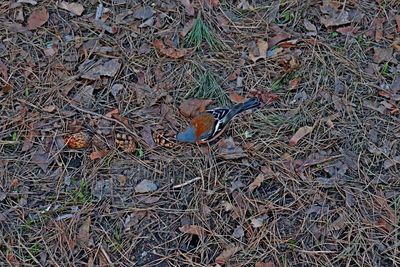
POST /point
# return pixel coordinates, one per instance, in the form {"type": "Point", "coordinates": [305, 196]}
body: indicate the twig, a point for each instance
{"type": "Point", "coordinates": [186, 183]}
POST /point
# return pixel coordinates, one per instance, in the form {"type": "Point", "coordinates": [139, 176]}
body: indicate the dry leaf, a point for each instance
{"type": "Point", "coordinates": [238, 232]}
{"type": "Point", "coordinates": [236, 98]}
{"type": "Point", "coordinates": [145, 186]}
{"type": "Point", "coordinates": [278, 38]}
{"type": "Point", "coordinates": [108, 68]}
{"type": "Point", "coordinates": [193, 230]}
{"type": "Point", "coordinates": [78, 140]}
{"type": "Point", "coordinates": [50, 108]}
{"type": "Point", "coordinates": [74, 8]}
{"type": "Point", "coordinates": [4, 70]}
{"type": "Point", "coordinates": [293, 84]}
{"type": "Point", "coordinates": [28, 142]}
{"type": "Point", "coordinates": [98, 154]}
{"type": "Point", "coordinates": [84, 232]}
{"type": "Point", "coordinates": [262, 51]}
{"type": "Point", "coordinates": [144, 13]}
{"type": "Point", "coordinates": [301, 132]}
{"type": "Point", "coordinates": [227, 254]}
{"type": "Point", "coordinates": [257, 182]}
{"type": "Point", "coordinates": [32, 2]}
{"type": "Point", "coordinates": [310, 27]}
{"type": "Point", "coordinates": [378, 29]}
{"type": "Point", "coordinates": [170, 52]}
{"type": "Point", "coordinates": [265, 264]}
{"type": "Point", "coordinates": [42, 159]}
{"type": "Point", "coordinates": [383, 55]}
{"type": "Point", "coordinates": [266, 97]}
{"type": "Point", "coordinates": [189, 8]}
{"type": "Point", "coordinates": [37, 18]}
{"type": "Point", "coordinates": [258, 222]}
{"type": "Point", "coordinates": [192, 107]}
{"type": "Point", "coordinates": [227, 149]}
{"type": "Point", "coordinates": [348, 30]}
{"type": "Point", "coordinates": [397, 18]}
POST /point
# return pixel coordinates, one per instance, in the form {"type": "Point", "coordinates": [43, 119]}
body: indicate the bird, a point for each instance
{"type": "Point", "coordinates": [207, 126]}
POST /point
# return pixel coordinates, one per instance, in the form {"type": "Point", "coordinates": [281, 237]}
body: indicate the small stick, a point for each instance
{"type": "Point", "coordinates": [186, 183]}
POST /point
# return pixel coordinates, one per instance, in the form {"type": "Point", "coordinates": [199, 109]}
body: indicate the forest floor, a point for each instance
{"type": "Point", "coordinates": [93, 92]}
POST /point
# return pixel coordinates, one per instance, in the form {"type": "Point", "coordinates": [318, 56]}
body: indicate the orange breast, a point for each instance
{"type": "Point", "coordinates": [203, 124]}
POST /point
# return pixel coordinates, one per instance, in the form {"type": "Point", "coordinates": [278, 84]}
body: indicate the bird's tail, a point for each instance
{"type": "Point", "coordinates": [238, 108]}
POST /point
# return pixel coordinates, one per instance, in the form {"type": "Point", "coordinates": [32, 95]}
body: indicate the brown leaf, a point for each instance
{"type": "Point", "coordinates": [236, 98]}
{"type": "Point", "coordinates": [37, 18]}
{"type": "Point", "coordinates": [266, 97]}
{"type": "Point", "coordinates": [170, 52]}
{"type": "Point", "coordinates": [42, 159]}
{"type": "Point", "coordinates": [383, 55]}
{"type": "Point", "coordinates": [193, 230]}
{"type": "Point", "coordinates": [278, 38]}
{"type": "Point", "coordinates": [84, 232]}
{"type": "Point", "coordinates": [378, 29]}
{"type": "Point", "coordinates": [265, 264]}
{"type": "Point", "coordinates": [397, 18]}
{"type": "Point", "coordinates": [348, 30]}
{"type": "Point", "coordinates": [147, 136]}
{"type": "Point", "coordinates": [115, 115]}
{"type": "Point", "coordinates": [98, 154]}
{"type": "Point", "coordinates": [301, 132]}
{"type": "Point", "coordinates": [382, 223]}
{"type": "Point", "coordinates": [28, 142]}
{"type": "Point", "coordinates": [189, 8]}
{"type": "Point", "coordinates": [338, 19]}
{"type": "Point", "coordinates": [234, 75]}
{"type": "Point", "coordinates": [74, 8]}
{"type": "Point", "coordinates": [293, 84]}
{"type": "Point", "coordinates": [262, 51]}
{"type": "Point", "coordinates": [310, 27]}
{"type": "Point", "coordinates": [257, 182]}
{"type": "Point", "coordinates": [108, 68]}
{"type": "Point", "coordinates": [192, 107]}
{"type": "Point", "coordinates": [227, 149]}
{"type": "Point", "coordinates": [144, 13]}
{"type": "Point", "coordinates": [188, 26]}
{"type": "Point", "coordinates": [4, 70]}
{"type": "Point", "coordinates": [227, 254]}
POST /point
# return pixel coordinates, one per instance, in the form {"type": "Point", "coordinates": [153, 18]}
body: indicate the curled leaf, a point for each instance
{"type": "Point", "coordinates": [301, 132]}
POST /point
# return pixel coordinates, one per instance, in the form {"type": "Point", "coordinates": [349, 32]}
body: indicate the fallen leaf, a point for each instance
{"type": "Point", "coordinates": [144, 13]}
{"type": "Point", "coordinates": [383, 55]}
{"type": "Point", "coordinates": [145, 186]}
{"type": "Point", "coordinates": [244, 5]}
{"type": "Point", "coordinates": [397, 18]}
{"type": "Point", "coordinates": [266, 97]}
{"type": "Point", "coordinates": [238, 232]}
{"type": "Point", "coordinates": [236, 98]}
{"type": "Point", "coordinates": [333, 16]}
{"type": "Point", "coordinates": [4, 70]}
{"type": "Point", "coordinates": [278, 38]}
{"type": "Point", "coordinates": [310, 27]}
{"type": "Point", "coordinates": [262, 51]}
{"type": "Point", "coordinates": [49, 109]}
{"type": "Point", "coordinates": [189, 8]}
{"type": "Point", "coordinates": [227, 149]}
{"type": "Point", "coordinates": [148, 199]}
{"type": "Point", "coordinates": [348, 30]}
{"type": "Point", "coordinates": [192, 107]}
{"type": "Point", "coordinates": [193, 230]}
{"type": "Point", "coordinates": [98, 154]}
{"type": "Point", "coordinates": [84, 232]}
{"type": "Point", "coordinates": [382, 223]}
{"type": "Point", "coordinates": [37, 18]}
{"type": "Point", "coordinates": [293, 84]}
{"type": "Point", "coordinates": [42, 159]}
{"type": "Point", "coordinates": [74, 8]}
{"type": "Point", "coordinates": [170, 52]}
{"type": "Point", "coordinates": [121, 179]}
{"type": "Point", "coordinates": [391, 162]}
{"type": "Point", "coordinates": [147, 136]}
{"type": "Point", "coordinates": [79, 140]}
{"type": "Point", "coordinates": [259, 221]}
{"type": "Point", "coordinates": [257, 182]}
{"type": "Point", "coordinates": [236, 185]}
{"type": "Point", "coordinates": [301, 132]}
{"type": "Point", "coordinates": [28, 141]}
{"type": "Point", "coordinates": [108, 68]}
{"type": "Point", "coordinates": [265, 264]}
{"type": "Point", "coordinates": [188, 26]}
{"type": "Point", "coordinates": [227, 254]}
{"type": "Point", "coordinates": [378, 29]}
